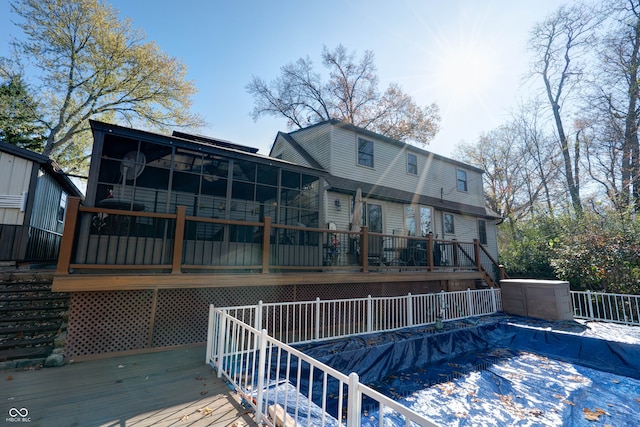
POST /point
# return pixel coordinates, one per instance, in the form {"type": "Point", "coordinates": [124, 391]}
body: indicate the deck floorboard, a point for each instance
{"type": "Point", "coordinates": [154, 389]}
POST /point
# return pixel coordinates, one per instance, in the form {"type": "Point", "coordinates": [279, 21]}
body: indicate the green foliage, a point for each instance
{"type": "Point", "coordinates": [526, 251]}
{"type": "Point", "coordinates": [19, 115]}
{"type": "Point", "coordinates": [600, 253]}
{"type": "Point", "coordinates": [91, 64]}
{"type": "Point", "coordinates": [594, 251]}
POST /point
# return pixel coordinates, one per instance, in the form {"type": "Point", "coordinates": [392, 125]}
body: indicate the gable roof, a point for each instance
{"type": "Point", "coordinates": [296, 146]}
{"type": "Point", "coordinates": [50, 166]}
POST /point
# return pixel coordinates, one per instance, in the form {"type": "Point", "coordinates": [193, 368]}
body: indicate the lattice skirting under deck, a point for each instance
{"type": "Point", "coordinates": [119, 321]}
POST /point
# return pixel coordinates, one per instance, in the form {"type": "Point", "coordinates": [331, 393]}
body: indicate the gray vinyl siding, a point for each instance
{"type": "Point", "coordinates": [316, 140]}
{"type": "Point", "coordinates": [436, 177]}
{"type": "Point", "coordinates": [492, 239]}
{"type": "Point", "coordinates": [289, 153]}
{"type": "Point", "coordinates": [335, 148]}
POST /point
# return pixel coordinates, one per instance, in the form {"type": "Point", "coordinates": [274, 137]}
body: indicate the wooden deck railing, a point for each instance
{"type": "Point", "coordinates": [98, 239]}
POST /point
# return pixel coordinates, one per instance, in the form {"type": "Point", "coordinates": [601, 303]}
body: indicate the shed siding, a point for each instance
{"type": "Point", "coordinates": [46, 205]}
{"type": "Point", "coordinates": [15, 173]}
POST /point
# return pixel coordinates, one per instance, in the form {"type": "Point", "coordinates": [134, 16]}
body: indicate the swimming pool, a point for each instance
{"type": "Point", "coordinates": [497, 370]}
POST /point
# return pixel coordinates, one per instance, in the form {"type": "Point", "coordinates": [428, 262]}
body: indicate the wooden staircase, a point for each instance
{"type": "Point", "coordinates": [31, 317]}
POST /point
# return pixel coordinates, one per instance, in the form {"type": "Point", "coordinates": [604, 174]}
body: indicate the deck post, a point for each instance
{"type": "Point", "coordinates": [68, 235]}
{"type": "Point", "coordinates": [178, 239]}
{"type": "Point", "coordinates": [266, 244]}
{"type": "Point", "coordinates": [364, 248]}
{"type": "Point", "coordinates": [590, 304]}
{"type": "Point", "coordinates": [430, 252]}
{"type": "Point", "coordinates": [455, 246]}
{"type": "Point", "coordinates": [476, 250]}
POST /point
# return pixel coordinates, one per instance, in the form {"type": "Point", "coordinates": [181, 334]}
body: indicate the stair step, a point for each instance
{"type": "Point", "coordinates": [30, 318]}
{"type": "Point", "coordinates": [17, 343]}
{"type": "Point", "coordinates": [25, 353]}
{"type": "Point", "coordinates": [51, 297]}
{"type": "Point", "coordinates": [51, 327]}
{"type": "Point", "coordinates": [20, 287]}
{"type": "Point", "coordinates": [32, 308]}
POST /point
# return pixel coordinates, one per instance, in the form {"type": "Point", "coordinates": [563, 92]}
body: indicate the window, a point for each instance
{"type": "Point", "coordinates": [448, 224]}
{"type": "Point", "coordinates": [462, 180]}
{"type": "Point", "coordinates": [482, 231]}
{"type": "Point", "coordinates": [424, 214]}
{"type": "Point", "coordinates": [373, 217]}
{"type": "Point", "coordinates": [62, 208]}
{"type": "Point", "coordinates": [412, 164]}
{"type": "Point", "coordinates": [365, 152]}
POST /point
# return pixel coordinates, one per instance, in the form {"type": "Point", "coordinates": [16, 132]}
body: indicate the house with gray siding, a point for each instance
{"type": "Point", "coordinates": [406, 190]}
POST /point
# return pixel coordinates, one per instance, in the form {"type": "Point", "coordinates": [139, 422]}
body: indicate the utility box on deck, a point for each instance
{"type": "Point", "coordinates": [542, 299]}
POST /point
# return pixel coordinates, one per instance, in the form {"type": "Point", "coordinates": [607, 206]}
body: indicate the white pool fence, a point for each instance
{"type": "Point", "coordinates": [250, 347]}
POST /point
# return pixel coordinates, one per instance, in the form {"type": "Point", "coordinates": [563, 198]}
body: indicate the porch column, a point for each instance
{"type": "Point", "coordinates": [178, 240]}
{"type": "Point", "coordinates": [68, 235]}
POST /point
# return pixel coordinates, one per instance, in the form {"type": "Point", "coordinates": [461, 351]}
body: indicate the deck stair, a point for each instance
{"type": "Point", "coordinates": [31, 317]}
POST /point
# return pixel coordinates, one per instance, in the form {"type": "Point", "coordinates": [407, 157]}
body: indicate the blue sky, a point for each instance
{"type": "Point", "coordinates": [425, 45]}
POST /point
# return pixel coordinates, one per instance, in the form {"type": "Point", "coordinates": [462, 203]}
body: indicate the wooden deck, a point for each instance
{"type": "Point", "coordinates": [169, 388]}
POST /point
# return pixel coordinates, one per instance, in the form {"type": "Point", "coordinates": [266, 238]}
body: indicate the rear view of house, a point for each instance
{"type": "Point", "coordinates": [404, 190]}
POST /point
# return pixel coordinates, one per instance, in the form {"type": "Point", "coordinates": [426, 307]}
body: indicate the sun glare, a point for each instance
{"type": "Point", "coordinates": [465, 74]}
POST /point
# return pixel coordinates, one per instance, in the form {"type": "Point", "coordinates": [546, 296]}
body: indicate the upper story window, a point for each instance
{"type": "Point", "coordinates": [462, 180]}
{"type": "Point", "coordinates": [412, 164]}
{"type": "Point", "coordinates": [482, 231]}
{"type": "Point", "coordinates": [365, 152]}
{"type": "Point", "coordinates": [449, 227]}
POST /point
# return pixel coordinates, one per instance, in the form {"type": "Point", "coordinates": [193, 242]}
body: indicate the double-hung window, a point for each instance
{"type": "Point", "coordinates": [449, 227]}
{"type": "Point", "coordinates": [462, 180]}
{"type": "Point", "coordinates": [412, 164]}
{"type": "Point", "coordinates": [365, 152]}
{"type": "Point", "coordinates": [482, 231]}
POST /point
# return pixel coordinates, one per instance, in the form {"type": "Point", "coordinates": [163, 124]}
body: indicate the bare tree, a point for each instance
{"type": "Point", "coordinates": [350, 94]}
{"type": "Point", "coordinates": [558, 43]}
{"type": "Point", "coordinates": [613, 111]}
{"type": "Point", "coordinates": [540, 152]}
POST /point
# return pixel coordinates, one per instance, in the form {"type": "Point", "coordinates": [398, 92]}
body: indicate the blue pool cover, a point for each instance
{"type": "Point", "coordinates": [498, 371]}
